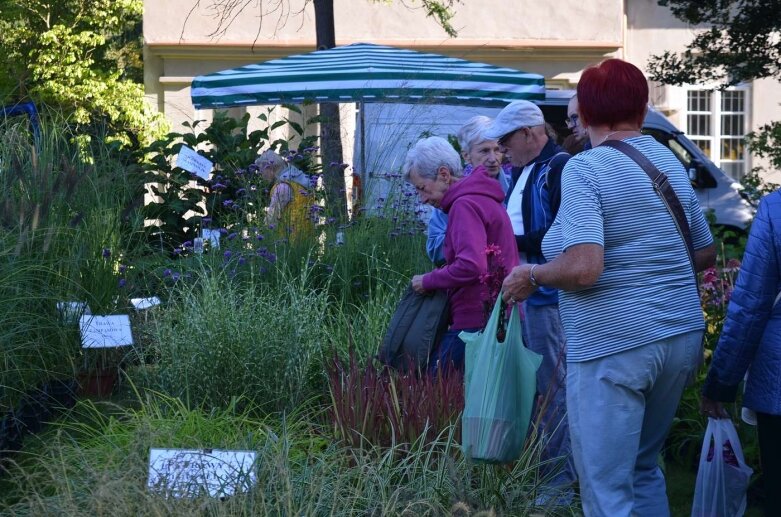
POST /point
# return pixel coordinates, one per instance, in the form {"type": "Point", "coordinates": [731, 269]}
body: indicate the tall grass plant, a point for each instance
{"type": "Point", "coordinates": [65, 222]}
{"type": "Point", "coordinates": [218, 339]}
{"type": "Point", "coordinates": [97, 465]}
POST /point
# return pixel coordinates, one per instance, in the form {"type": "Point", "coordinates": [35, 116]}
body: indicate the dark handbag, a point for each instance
{"type": "Point", "coordinates": [664, 190]}
{"type": "Point", "coordinates": [415, 328]}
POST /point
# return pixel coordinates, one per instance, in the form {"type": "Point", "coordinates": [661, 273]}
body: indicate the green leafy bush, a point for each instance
{"type": "Point", "coordinates": [184, 203]}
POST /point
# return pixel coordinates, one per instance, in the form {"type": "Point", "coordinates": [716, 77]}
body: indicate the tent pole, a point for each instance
{"type": "Point", "coordinates": [364, 178]}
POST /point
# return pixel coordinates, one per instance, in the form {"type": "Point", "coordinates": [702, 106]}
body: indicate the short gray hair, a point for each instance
{"type": "Point", "coordinates": [270, 159]}
{"type": "Point", "coordinates": [472, 132]}
{"type": "Point", "coordinates": [428, 155]}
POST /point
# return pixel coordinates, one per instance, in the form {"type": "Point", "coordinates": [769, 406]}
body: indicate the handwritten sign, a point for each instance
{"type": "Point", "coordinates": [192, 472]}
{"type": "Point", "coordinates": [70, 312]}
{"type": "Point", "coordinates": [105, 331]}
{"type": "Point", "coordinates": [140, 304]}
{"type": "Point", "coordinates": [191, 161]}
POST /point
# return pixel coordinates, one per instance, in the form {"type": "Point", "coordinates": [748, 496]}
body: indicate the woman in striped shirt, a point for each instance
{"type": "Point", "coordinates": [629, 303]}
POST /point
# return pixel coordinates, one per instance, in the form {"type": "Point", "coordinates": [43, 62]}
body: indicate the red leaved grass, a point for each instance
{"type": "Point", "coordinates": [375, 405]}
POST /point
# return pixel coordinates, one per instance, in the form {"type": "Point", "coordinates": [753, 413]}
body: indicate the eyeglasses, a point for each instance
{"type": "Point", "coordinates": [506, 138]}
{"type": "Point", "coordinates": [572, 120]}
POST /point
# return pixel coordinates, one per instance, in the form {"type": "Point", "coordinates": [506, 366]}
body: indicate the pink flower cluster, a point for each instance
{"type": "Point", "coordinates": [493, 277]}
{"type": "Point", "coordinates": [717, 283]}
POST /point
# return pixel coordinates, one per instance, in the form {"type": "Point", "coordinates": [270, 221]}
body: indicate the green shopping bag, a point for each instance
{"type": "Point", "coordinates": [501, 382]}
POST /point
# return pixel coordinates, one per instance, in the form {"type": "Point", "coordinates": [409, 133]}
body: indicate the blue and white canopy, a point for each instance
{"type": "Point", "coordinates": [364, 72]}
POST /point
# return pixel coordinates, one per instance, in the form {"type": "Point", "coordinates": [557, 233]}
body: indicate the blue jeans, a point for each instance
{"type": "Point", "coordinates": [448, 356]}
{"type": "Point", "coordinates": [620, 408]}
{"type": "Point", "coordinates": [543, 334]}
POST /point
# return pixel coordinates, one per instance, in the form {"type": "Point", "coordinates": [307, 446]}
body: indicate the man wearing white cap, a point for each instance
{"type": "Point", "coordinates": [532, 203]}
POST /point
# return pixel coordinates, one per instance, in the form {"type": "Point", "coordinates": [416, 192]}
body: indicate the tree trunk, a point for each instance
{"type": "Point", "coordinates": [330, 130]}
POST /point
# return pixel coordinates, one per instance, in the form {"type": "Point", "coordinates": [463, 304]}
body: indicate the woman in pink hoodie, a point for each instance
{"type": "Point", "coordinates": [477, 219]}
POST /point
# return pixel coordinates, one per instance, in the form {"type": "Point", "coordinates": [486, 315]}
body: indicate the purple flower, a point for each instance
{"type": "Point", "coordinates": [122, 282]}
{"type": "Point", "coordinates": [232, 236]}
{"type": "Point", "coordinates": [206, 220]}
{"type": "Point", "coordinates": [227, 254]}
{"type": "Point", "coordinates": [242, 261]}
{"type": "Point", "coordinates": [106, 253]}
{"type": "Point", "coordinates": [177, 251]}
{"type": "Point", "coordinates": [223, 231]}
{"type": "Point", "coordinates": [175, 277]}
{"type": "Point", "coordinates": [241, 192]}
{"type": "Point", "coordinates": [259, 236]}
{"type": "Point", "coordinates": [166, 273]}
{"type": "Point", "coordinates": [122, 268]}
{"type": "Point", "coordinates": [253, 169]}
{"type": "Point", "coordinates": [187, 244]}
{"type": "Point", "coordinates": [218, 186]}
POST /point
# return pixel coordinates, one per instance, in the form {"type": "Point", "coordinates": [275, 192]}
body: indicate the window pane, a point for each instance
{"type": "Point", "coordinates": [704, 144]}
{"type": "Point", "coordinates": [699, 100]}
{"type": "Point", "coordinates": [699, 125]}
{"type": "Point", "coordinates": [733, 100]}
{"type": "Point", "coordinates": [732, 125]}
{"type": "Point", "coordinates": [732, 148]}
{"type": "Point", "coordinates": [735, 170]}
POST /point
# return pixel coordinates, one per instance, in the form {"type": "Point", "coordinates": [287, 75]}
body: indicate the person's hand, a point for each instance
{"type": "Point", "coordinates": [417, 284]}
{"type": "Point", "coordinates": [712, 408]}
{"type": "Point", "coordinates": [517, 286]}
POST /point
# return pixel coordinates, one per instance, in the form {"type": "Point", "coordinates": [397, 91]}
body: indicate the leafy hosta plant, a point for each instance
{"type": "Point", "coordinates": [183, 203]}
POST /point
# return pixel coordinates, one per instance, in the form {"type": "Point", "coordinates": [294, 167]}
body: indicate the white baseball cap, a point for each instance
{"type": "Point", "coordinates": [515, 116]}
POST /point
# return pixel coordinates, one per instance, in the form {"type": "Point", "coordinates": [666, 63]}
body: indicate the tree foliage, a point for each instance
{"type": "Point", "coordinates": [741, 43]}
{"type": "Point", "coordinates": [82, 56]}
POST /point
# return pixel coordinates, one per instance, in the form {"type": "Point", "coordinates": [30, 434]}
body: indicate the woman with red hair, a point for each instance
{"type": "Point", "coordinates": [628, 301]}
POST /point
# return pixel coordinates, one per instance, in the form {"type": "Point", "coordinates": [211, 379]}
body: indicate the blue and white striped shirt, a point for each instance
{"type": "Point", "coordinates": [647, 290]}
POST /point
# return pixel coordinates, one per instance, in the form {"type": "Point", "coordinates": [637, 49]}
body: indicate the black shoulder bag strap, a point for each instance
{"type": "Point", "coordinates": [663, 189]}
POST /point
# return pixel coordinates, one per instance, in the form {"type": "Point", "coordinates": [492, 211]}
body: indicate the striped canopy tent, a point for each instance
{"type": "Point", "coordinates": [364, 72]}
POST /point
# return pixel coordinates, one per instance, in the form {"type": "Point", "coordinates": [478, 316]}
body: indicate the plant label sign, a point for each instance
{"type": "Point", "coordinates": [194, 472]}
{"type": "Point", "coordinates": [213, 236]}
{"type": "Point", "coordinates": [105, 331]}
{"type": "Point", "coordinates": [140, 304]}
{"type": "Point", "coordinates": [191, 161]}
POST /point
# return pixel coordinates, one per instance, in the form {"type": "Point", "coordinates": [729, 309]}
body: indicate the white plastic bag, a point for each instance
{"type": "Point", "coordinates": [723, 476]}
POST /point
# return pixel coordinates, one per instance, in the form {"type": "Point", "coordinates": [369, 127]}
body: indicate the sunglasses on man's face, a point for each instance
{"type": "Point", "coordinates": [506, 138]}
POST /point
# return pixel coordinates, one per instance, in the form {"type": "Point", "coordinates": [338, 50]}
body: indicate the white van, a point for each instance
{"type": "Point", "coordinates": [390, 130]}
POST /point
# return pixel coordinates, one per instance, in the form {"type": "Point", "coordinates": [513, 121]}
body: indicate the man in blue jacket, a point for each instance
{"type": "Point", "coordinates": [532, 202]}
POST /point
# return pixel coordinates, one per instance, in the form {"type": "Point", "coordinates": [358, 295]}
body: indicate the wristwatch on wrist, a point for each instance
{"type": "Point", "coordinates": [532, 280]}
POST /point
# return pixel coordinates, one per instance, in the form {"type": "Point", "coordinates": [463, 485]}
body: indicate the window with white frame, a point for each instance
{"type": "Point", "coordinates": [717, 121]}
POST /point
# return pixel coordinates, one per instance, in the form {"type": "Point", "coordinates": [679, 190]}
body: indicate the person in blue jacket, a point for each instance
{"type": "Point", "coordinates": [751, 341]}
{"type": "Point", "coordinates": [476, 150]}
{"type": "Point", "coordinates": [532, 202]}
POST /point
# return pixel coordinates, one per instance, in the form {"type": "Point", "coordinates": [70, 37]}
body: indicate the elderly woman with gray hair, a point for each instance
{"type": "Point", "coordinates": [477, 220]}
{"type": "Point", "coordinates": [290, 203]}
{"type": "Point", "coordinates": [476, 150]}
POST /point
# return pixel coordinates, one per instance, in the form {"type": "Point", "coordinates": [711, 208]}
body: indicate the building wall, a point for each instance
{"type": "Point", "coordinates": [558, 40]}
